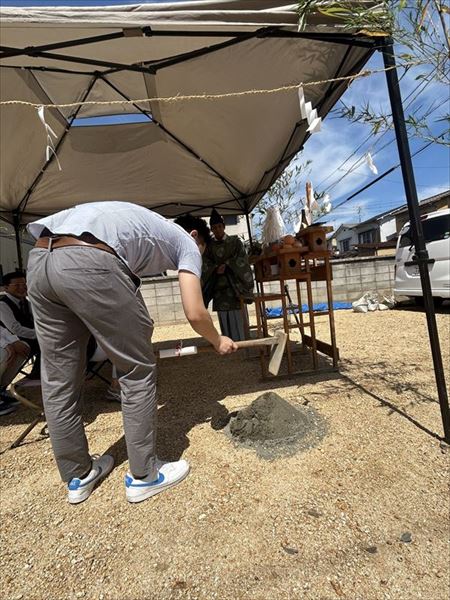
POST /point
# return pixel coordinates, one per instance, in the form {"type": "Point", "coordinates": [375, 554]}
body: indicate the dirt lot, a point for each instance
{"type": "Point", "coordinates": [325, 523]}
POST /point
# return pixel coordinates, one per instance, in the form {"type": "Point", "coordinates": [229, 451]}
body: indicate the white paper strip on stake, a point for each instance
{"type": "Point", "coordinates": [308, 109]}
{"type": "Point", "coordinates": [371, 164]}
{"type": "Point", "coordinates": [315, 126]}
{"type": "Point", "coordinates": [326, 204]}
{"type": "Point", "coordinates": [308, 113]}
{"type": "Point", "coordinates": [312, 116]}
{"type": "Point", "coordinates": [50, 149]}
{"type": "Point", "coordinates": [301, 99]}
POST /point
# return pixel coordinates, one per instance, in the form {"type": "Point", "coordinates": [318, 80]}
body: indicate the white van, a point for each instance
{"type": "Point", "coordinates": [436, 230]}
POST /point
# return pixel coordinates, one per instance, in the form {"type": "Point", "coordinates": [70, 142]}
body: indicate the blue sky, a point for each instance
{"type": "Point", "coordinates": [338, 139]}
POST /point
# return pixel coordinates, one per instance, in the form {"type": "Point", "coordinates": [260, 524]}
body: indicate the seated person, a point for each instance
{"type": "Point", "coordinates": [16, 317]}
{"type": "Point", "coordinates": [13, 354]}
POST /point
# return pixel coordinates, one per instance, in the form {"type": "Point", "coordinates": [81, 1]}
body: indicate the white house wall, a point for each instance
{"type": "Point", "coordinates": [345, 234]}
{"type": "Point", "coordinates": [388, 228]}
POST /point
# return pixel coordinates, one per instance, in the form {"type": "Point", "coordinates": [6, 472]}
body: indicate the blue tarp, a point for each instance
{"type": "Point", "coordinates": [273, 313]}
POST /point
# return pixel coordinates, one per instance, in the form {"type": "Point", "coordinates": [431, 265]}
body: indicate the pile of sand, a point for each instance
{"type": "Point", "coordinates": [275, 427]}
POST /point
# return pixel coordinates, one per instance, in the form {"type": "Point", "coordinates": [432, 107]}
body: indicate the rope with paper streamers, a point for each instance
{"type": "Point", "coordinates": [191, 97]}
{"type": "Point", "coordinates": [50, 148]}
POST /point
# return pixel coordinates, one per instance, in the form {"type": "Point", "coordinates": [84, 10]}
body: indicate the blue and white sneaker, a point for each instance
{"type": "Point", "coordinates": [169, 474]}
{"type": "Point", "coordinates": [79, 490]}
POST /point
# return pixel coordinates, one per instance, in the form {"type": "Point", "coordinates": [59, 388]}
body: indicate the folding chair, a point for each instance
{"type": "Point", "coordinates": [94, 366]}
{"type": "Point", "coordinates": [96, 363]}
{"type": "Point", "coordinates": [32, 425]}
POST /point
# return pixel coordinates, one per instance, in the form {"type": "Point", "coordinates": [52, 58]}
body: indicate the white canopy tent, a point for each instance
{"type": "Point", "coordinates": [188, 155]}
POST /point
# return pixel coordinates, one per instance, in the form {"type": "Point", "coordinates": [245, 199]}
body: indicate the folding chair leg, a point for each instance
{"type": "Point", "coordinates": [95, 371]}
{"type": "Point", "coordinates": [24, 434]}
{"type": "Point", "coordinates": [24, 400]}
{"type": "Point", "coordinates": [29, 404]}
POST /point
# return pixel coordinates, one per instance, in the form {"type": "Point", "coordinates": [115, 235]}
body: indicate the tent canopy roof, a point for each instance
{"type": "Point", "coordinates": [180, 156]}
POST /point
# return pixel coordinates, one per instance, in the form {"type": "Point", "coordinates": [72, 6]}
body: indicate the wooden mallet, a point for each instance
{"type": "Point", "coordinates": [278, 343]}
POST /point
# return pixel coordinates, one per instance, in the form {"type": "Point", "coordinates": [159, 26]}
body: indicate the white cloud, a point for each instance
{"type": "Point", "coordinates": [432, 190]}
{"type": "Point", "coordinates": [328, 150]}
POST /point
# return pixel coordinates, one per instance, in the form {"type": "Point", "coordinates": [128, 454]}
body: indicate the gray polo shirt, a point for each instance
{"type": "Point", "coordinates": [147, 242]}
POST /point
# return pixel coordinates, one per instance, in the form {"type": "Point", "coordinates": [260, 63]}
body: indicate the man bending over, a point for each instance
{"type": "Point", "coordinates": [83, 279]}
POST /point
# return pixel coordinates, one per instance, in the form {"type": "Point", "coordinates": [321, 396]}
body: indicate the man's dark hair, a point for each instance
{"type": "Point", "coordinates": [189, 223]}
{"type": "Point", "coordinates": [8, 277]}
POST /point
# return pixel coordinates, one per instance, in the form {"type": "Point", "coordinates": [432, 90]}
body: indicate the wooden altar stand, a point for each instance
{"type": "Point", "coordinates": [301, 265]}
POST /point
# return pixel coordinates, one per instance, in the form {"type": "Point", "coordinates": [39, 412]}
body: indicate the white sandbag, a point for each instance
{"type": "Point", "coordinates": [361, 305]}
{"type": "Point", "coordinates": [370, 302]}
{"type": "Point", "coordinates": [388, 301]}
{"type": "Point", "coordinates": [360, 308]}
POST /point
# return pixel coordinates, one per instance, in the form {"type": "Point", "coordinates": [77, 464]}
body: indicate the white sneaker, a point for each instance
{"type": "Point", "coordinates": [79, 490]}
{"type": "Point", "coordinates": [169, 474]}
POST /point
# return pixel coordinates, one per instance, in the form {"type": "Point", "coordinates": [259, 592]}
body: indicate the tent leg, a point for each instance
{"type": "Point", "coordinates": [249, 228]}
{"type": "Point", "coordinates": [421, 258]}
{"type": "Point", "coordinates": [18, 244]}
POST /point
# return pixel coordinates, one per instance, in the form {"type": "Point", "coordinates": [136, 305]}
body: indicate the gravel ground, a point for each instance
{"type": "Point", "coordinates": [324, 523]}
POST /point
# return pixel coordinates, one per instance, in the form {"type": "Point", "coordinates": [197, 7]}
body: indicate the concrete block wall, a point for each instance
{"type": "Point", "coordinates": [163, 299]}
{"type": "Point", "coordinates": [351, 278]}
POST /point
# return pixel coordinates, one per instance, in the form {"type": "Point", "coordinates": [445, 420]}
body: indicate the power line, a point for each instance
{"type": "Point", "coordinates": [382, 176]}
{"type": "Point", "coordinates": [356, 163]}
{"type": "Point", "coordinates": [423, 82]}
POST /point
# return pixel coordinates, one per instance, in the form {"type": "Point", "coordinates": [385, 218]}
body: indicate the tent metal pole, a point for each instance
{"type": "Point", "coordinates": [180, 58]}
{"type": "Point", "coordinates": [265, 32]}
{"type": "Point", "coordinates": [50, 70]}
{"type": "Point", "coordinates": [230, 187]}
{"type": "Point", "coordinates": [421, 257]}
{"type": "Point", "coordinates": [84, 61]}
{"type": "Point", "coordinates": [38, 177]}
{"type": "Point", "coordinates": [249, 227]}
{"type": "Point", "coordinates": [195, 207]}
{"type": "Point", "coordinates": [68, 44]}
{"type": "Point", "coordinates": [269, 31]}
{"type": "Point", "coordinates": [16, 218]}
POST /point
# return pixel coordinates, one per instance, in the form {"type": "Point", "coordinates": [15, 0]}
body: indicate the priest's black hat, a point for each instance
{"type": "Point", "coordinates": [215, 218]}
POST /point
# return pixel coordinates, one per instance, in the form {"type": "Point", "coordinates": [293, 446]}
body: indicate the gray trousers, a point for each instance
{"type": "Point", "coordinates": [75, 292]}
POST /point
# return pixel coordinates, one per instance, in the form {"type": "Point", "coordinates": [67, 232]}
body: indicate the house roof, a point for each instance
{"type": "Point", "coordinates": [404, 207]}
{"type": "Point", "coordinates": [342, 226]}
{"type": "Point", "coordinates": [377, 245]}
{"type": "Point", "coordinates": [392, 212]}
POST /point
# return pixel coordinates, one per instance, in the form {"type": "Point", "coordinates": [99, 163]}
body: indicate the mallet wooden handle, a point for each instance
{"type": "Point", "coordinates": [270, 341]}
{"type": "Point", "coordinates": [278, 343]}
